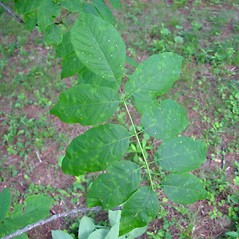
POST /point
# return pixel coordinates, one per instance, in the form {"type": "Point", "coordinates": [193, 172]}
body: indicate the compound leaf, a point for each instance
{"type": "Point", "coordinates": [86, 104]}
{"type": "Point", "coordinates": [96, 149]}
{"type": "Point", "coordinates": [166, 121]}
{"type": "Point", "coordinates": [5, 203]}
{"type": "Point", "coordinates": [113, 188]}
{"type": "Point", "coordinates": [152, 78]}
{"type": "Point", "coordinates": [182, 154]}
{"type": "Point", "coordinates": [99, 47]}
{"type": "Point", "coordinates": [183, 188]}
{"type": "Point", "coordinates": [141, 208]}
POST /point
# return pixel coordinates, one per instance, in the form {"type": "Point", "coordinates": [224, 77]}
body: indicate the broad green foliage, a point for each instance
{"type": "Point", "coordinates": [34, 208]}
{"type": "Point", "coordinates": [93, 50]}
{"type": "Point", "coordinates": [152, 78]}
{"type": "Point", "coordinates": [86, 104]}
{"type": "Point", "coordinates": [141, 208]}
{"type": "Point", "coordinates": [58, 234]}
{"type": "Point", "coordinates": [122, 179]}
{"type": "Point", "coordinates": [53, 35]}
{"type": "Point", "coordinates": [181, 154]}
{"type": "Point", "coordinates": [166, 121]}
{"type": "Point", "coordinates": [5, 199]}
{"type": "Point", "coordinates": [183, 188]}
{"type": "Point", "coordinates": [99, 47]}
{"type": "Point", "coordinates": [88, 229]}
{"type": "Point", "coordinates": [96, 149]}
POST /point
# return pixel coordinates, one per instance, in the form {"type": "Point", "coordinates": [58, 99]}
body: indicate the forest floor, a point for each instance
{"type": "Point", "coordinates": [206, 34]}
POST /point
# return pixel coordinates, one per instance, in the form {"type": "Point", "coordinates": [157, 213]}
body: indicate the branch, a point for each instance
{"type": "Point", "coordinates": [54, 217]}
{"type": "Point", "coordinates": [11, 13]}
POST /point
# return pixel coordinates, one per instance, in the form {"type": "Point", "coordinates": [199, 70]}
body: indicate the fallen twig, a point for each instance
{"type": "Point", "coordinates": [11, 13]}
{"type": "Point", "coordinates": [54, 217]}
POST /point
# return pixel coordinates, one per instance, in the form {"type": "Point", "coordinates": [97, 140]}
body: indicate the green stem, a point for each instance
{"type": "Point", "coordinates": [140, 146]}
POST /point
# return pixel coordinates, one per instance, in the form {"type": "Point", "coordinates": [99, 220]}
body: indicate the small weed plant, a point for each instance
{"type": "Point", "coordinates": [93, 50]}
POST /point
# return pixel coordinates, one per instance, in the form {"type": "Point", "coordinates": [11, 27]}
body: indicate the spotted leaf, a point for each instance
{"type": "Point", "coordinates": [182, 154]}
{"type": "Point", "coordinates": [141, 208]}
{"type": "Point", "coordinates": [165, 121]}
{"type": "Point", "coordinates": [183, 188]}
{"type": "Point", "coordinates": [99, 47]}
{"type": "Point", "coordinates": [153, 77]}
{"type": "Point", "coordinates": [96, 149]}
{"type": "Point", "coordinates": [113, 188]}
{"type": "Point", "coordinates": [86, 104]}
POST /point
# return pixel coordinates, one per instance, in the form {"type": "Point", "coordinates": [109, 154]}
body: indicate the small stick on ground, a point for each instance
{"type": "Point", "coordinates": [11, 13]}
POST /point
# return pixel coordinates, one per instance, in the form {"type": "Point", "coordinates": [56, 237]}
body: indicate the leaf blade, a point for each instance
{"type": "Point", "coordinates": [183, 188]}
{"type": "Point", "coordinates": [152, 78]}
{"type": "Point", "coordinates": [139, 210]}
{"type": "Point", "coordinates": [115, 187]}
{"type": "Point", "coordinates": [181, 154]}
{"type": "Point", "coordinates": [99, 47]}
{"type": "Point", "coordinates": [86, 104]}
{"type": "Point", "coordinates": [5, 199]}
{"type": "Point", "coordinates": [165, 121]}
{"type": "Point", "coordinates": [96, 149]}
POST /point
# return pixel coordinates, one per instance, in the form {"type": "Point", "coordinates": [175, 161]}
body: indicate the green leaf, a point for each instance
{"type": "Point", "coordinates": [46, 13]}
{"type": "Point", "coordinates": [96, 149]}
{"type": "Point", "coordinates": [58, 234]}
{"type": "Point", "coordinates": [71, 65]}
{"type": "Point", "coordinates": [30, 20]}
{"type": "Point", "coordinates": [232, 234]}
{"type": "Point", "coordinates": [113, 232]}
{"type": "Point", "coordinates": [98, 234]}
{"type": "Point", "coordinates": [141, 208]}
{"type": "Point", "coordinates": [131, 61]}
{"type": "Point", "coordinates": [115, 187]}
{"type": "Point", "coordinates": [72, 5]}
{"type": "Point", "coordinates": [99, 9]}
{"type": "Point", "coordinates": [26, 6]}
{"type": "Point", "coordinates": [53, 35]}
{"type": "Point", "coordinates": [115, 3]}
{"type": "Point", "coordinates": [65, 48]}
{"type": "Point", "coordinates": [166, 121]}
{"type": "Point", "coordinates": [86, 227]}
{"type": "Point", "coordinates": [135, 233]}
{"type": "Point", "coordinates": [152, 78]}
{"type": "Point", "coordinates": [182, 154]}
{"type": "Point", "coordinates": [5, 203]}
{"type": "Point", "coordinates": [114, 217]}
{"type": "Point", "coordinates": [88, 77]}
{"type": "Point", "coordinates": [35, 208]}
{"type": "Point", "coordinates": [183, 188]}
{"type": "Point", "coordinates": [86, 104]}
{"type": "Point", "coordinates": [99, 47]}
